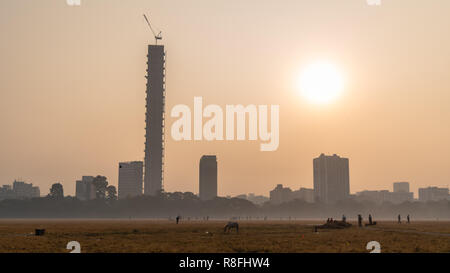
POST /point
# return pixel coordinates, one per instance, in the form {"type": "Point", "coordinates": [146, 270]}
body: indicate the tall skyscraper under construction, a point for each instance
{"type": "Point", "coordinates": [154, 119]}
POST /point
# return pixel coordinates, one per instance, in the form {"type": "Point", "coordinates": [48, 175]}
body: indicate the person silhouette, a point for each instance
{"type": "Point", "coordinates": [399, 219]}
{"type": "Point", "coordinates": [178, 219]}
{"type": "Point", "coordinates": [370, 219]}
{"type": "Point", "coordinates": [360, 220]}
{"type": "Point", "coordinates": [408, 219]}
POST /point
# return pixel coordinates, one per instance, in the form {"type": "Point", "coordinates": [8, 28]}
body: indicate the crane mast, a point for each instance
{"type": "Point", "coordinates": [157, 37]}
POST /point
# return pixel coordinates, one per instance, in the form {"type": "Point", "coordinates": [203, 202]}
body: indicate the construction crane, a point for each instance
{"type": "Point", "coordinates": [157, 37]}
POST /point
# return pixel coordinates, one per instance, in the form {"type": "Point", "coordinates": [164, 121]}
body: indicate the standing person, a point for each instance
{"type": "Point", "coordinates": [408, 219]}
{"type": "Point", "coordinates": [360, 220]}
{"type": "Point", "coordinates": [344, 219]}
{"type": "Point", "coordinates": [178, 219]}
{"type": "Point", "coordinates": [370, 219]}
{"type": "Point", "coordinates": [399, 219]}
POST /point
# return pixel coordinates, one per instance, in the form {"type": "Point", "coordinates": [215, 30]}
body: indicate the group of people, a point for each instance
{"type": "Point", "coordinates": [371, 222]}
{"type": "Point", "coordinates": [408, 219]}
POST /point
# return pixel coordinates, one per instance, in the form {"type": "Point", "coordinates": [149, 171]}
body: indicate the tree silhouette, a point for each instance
{"type": "Point", "coordinates": [100, 184]}
{"type": "Point", "coordinates": [111, 193]}
{"type": "Point", "coordinates": [57, 191]}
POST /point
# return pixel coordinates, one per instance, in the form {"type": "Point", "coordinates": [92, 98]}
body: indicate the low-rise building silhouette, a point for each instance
{"type": "Point", "coordinates": [25, 190]}
{"type": "Point", "coordinates": [283, 194]}
{"type": "Point", "coordinates": [304, 194]}
{"type": "Point", "coordinates": [255, 199]}
{"type": "Point", "coordinates": [280, 194]}
{"type": "Point", "coordinates": [433, 194]}
{"type": "Point", "coordinates": [6, 192]}
{"type": "Point", "coordinates": [19, 190]}
{"type": "Point", "coordinates": [382, 196]}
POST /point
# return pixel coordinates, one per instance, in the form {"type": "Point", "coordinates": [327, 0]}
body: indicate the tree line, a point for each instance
{"type": "Point", "coordinates": [188, 206]}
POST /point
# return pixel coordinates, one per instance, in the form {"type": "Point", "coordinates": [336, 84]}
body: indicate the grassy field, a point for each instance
{"type": "Point", "coordinates": [207, 236]}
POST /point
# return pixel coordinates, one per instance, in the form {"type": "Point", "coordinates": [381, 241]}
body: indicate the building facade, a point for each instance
{"type": "Point", "coordinates": [384, 196]}
{"type": "Point", "coordinates": [304, 194]}
{"type": "Point", "coordinates": [280, 195]}
{"type": "Point", "coordinates": [401, 186]}
{"type": "Point", "coordinates": [284, 194]}
{"type": "Point", "coordinates": [331, 178]}
{"type": "Point", "coordinates": [154, 120]}
{"type": "Point", "coordinates": [208, 177]}
{"type": "Point", "coordinates": [25, 190]}
{"type": "Point", "coordinates": [6, 192]}
{"type": "Point", "coordinates": [19, 190]}
{"type": "Point", "coordinates": [433, 194]}
{"type": "Point", "coordinates": [130, 179]}
{"type": "Point", "coordinates": [85, 189]}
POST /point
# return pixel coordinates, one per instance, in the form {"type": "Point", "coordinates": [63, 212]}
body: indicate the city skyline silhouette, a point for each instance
{"type": "Point", "coordinates": [73, 90]}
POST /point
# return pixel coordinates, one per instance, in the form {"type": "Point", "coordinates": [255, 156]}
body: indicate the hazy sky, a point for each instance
{"type": "Point", "coordinates": [72, 88]}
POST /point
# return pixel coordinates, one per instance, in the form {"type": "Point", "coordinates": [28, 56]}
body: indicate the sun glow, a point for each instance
{"type": "Point", "coordinates": [321, 83]}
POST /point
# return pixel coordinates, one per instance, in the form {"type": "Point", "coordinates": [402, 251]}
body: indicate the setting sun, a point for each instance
{"type": "Point", "coordinates": [320, 82]}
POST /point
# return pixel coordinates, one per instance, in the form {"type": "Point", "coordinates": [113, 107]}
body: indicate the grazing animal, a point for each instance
{"type": "Point", "coordinates": [231, 225]}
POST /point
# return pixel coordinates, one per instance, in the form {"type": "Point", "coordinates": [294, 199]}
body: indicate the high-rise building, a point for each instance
{"type": "Point", "coordinates": [208, 177]}
{"type": "Point", "coordinates": [130, 179]}
{"type": "Point", "coordinates": [401, 186]}
{"type": "Point", "coordinates": [331, 178]}
{"type": "Point", "coordinates": [85, 189]}
{"type": "Point", "coordinates": [433, 194]}
{"type": "Point", "coordinates": [154, 119]}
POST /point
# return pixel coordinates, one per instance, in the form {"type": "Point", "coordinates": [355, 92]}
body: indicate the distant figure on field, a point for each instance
{"type": "Point", "coordinates": [360, 220]}
{"type": "Point", "coordinates": [344, 219]}
{"type": "Point", "coordinates": [370, 219]}
{"type": "Point", "coordinates": [408, 219]}
{"type": "Point", "coordinates": [399, 219]}
{"type": "Point", "coordinates": [178, 219]}
{"type": "Point", "coordinates": [231, 225]}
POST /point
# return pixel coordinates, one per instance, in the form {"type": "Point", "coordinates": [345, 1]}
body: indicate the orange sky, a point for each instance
{"type": "Point", "coordinates": [72, 88]}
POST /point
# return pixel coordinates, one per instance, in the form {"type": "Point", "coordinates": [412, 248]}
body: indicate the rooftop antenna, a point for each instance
{"type": "Point", "coordinates": [157, 37]}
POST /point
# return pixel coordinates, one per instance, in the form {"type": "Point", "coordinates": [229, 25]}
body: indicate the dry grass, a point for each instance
{"type": "Point", "coordinates": [254, 236]}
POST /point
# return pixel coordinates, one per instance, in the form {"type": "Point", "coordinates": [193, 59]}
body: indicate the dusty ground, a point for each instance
{"type": "Point", "coordinates": [208, 236]}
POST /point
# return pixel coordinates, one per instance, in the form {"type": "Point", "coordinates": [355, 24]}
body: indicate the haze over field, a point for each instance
{"type": "Point", "coordinates": [72, 88]}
